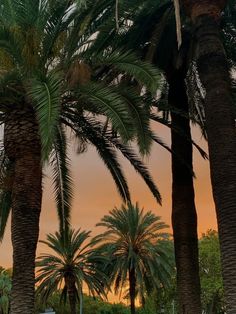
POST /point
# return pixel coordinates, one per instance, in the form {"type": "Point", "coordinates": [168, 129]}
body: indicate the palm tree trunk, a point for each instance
{"type": "Point", "coordinates": [81, 302]}
{"type": "Point", "coordinates": [221, 131]}
{"type": "Point", "coordinates": [71, 294]}
{"type": "Point", "coordinates": [184, 217]}
{"type": "Point", "coordinates": [22, 145]}
{"type": "Point", "coordinates": [132, 286]}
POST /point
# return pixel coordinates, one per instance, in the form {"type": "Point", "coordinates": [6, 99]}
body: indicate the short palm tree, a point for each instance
{"type": "Point", "coordinates": [71, 264]}
{"type": "Point", "coordinates": [47, 87]}
{"type": "Point", "coordinates": [133, 243]}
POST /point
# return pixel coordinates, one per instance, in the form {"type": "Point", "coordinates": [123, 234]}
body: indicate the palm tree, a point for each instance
{"type": "Point", "coordinates": [45, 87]}
{"type": "Point", "coordinates": [133, 242]}
{"type": "Point", "coordinates": [220, 126]}
{"type": "Point", "coordinates": [153, 34]}
{"type": "Point", "coordinates": [71, 264]}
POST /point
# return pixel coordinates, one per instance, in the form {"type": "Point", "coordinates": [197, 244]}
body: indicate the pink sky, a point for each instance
{"type": "Point", "coordinates": [95, 193]}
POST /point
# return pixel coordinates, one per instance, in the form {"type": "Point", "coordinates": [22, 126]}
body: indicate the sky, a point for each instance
{"type": "Point", "coordinates": [95, 193]}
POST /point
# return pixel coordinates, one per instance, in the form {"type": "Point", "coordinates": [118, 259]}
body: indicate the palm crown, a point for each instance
{"type": "Point", "coordinates": [134, 242]}
{"type": "Point", "coordinates": [71, 263]}
{"type": "Point", "coordinates": [44, 67]}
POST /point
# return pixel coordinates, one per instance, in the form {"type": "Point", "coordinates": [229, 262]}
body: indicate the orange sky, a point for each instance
{"type": "Point", "coordinates": [95, 193]}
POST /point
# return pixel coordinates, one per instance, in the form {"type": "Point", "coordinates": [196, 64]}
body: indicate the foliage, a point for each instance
{"type": "Point", "coordinates": [5, 290]}
{"type": "Point", "coordinates": [71, 258]}
{"type": "Point", "coordinates": [91, 305]}
{"type": "Point", "coordinates": [44, 65]}
{"type": "Point", "coordinates": [210, 272]}
{"type": "Point", "coordinates": [211, 281]}
{"type": "Point", "coordinates": [134, 240]}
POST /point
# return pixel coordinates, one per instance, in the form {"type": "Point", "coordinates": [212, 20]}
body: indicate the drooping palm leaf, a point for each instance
{"type": "Point", "coordinates": [109, 103]}
{"type": "Point", "coordinates": [45, 94]}
{"type": "Point", "coordinates": [62, 180]}
{"type": "Point", "coordinates": [128, 62]}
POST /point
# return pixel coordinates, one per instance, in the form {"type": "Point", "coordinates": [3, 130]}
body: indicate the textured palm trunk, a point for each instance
{"type": "Point", "coordinates": [22, 145]}
{"type": "Point", "coordinates": [71, 290]}
{"type": "Point", "coordinates": [184, 217]}
{"type": "Point", "coordinates": [132, 285]}
{"type": "Point", "coordinates": [221, 131]}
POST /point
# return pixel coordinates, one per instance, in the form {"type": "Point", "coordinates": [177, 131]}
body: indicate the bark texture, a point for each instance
{"type": "Point", "coordinates": [132, 285]}
{"type": "Point", "coordinates": [22, 145]}
{"type": "Point", "coordinates": [71, 290]}
{"type": "Point", "coordinates": [184, 216]}
{"type": "Point", "coordinates": [221, 131]}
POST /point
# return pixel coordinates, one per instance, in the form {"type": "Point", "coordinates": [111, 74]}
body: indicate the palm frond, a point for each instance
{"type": "Point", "coordinates": [138, 165]}
{"type": "Point", "coordinates": [180, 132]}
{"type": "Point", "coordinates": [140, 117]}
{"type": "Point", "coordinates": [62, 180]}
{"type": "Point", "coordinates": [127, 62]}
{"type": "Point", "coordinates": [105, 151]}
{"type": "Point", "coordinates": [45, 94]}
{"type": "Point", "coordinates": [110, 104]}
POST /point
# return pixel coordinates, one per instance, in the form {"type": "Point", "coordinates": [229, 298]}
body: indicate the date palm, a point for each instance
{"type": "Point", "coordinates": [133, 242]}
{"type": "Point", "coordinates": [71, 264]}
{"type": "Point", "coordinates": [152, 32]}
{"type": "Point", "coordinates": [46, 86]}
{"type": "Point", "coordinates": [220, 127]}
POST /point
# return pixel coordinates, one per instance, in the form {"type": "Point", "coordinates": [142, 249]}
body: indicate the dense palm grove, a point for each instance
{"type": "Point", "coordinates": [104, 71]}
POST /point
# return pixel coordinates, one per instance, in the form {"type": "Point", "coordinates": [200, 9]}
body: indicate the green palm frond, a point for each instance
{"type": "Point", "coordinates": [45, 95]}
{"type": "Point", "coordinates": [105, 151]}
{"type": "Point", "coordinates": [110, 104]}
{"type": "Point", "coordinates": [140, 117]}
{"type": "Point", "coordinates": [56, 25]}
{"type": "Point", "coordinates": [109, 157]}
{"type": "Point", "coordinates": [11, 47]}
{"type": "Point", "coordinates": [138, 165]}
{"type": "Point", "coordinates": [127, 62]}
{"type": "Point", "coordinates": [62, 179]}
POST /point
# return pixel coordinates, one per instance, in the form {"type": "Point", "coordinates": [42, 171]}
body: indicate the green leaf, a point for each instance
{"type": "Point", "coordinates": [110, 104]}
{"type": "Point", "coordinates": [140, 117]}
{"type": "Point", "coordinates": [62, 180]}
{"type": "Point", "coordinates": [146, 74]}
{"type": "Point", "coordinates": [45, 95]}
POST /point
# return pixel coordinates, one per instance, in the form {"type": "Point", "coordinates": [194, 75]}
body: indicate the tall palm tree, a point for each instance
{"type": "Point", "coordinates": [220, 126]}
{"type": "Point", "coordinates": [153, 34]}
{"type": "Point", "coordinates": [133, 242]}
{"type": "Point", "coordinates": [71, 264]}
{"type": "Point", "coordinates": [184, 216]}
{"type": "Point", "coordinates": [46, 86]}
